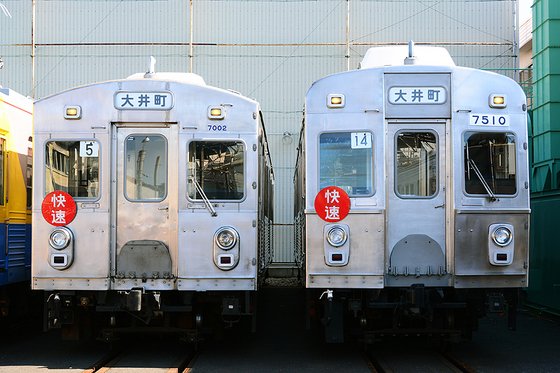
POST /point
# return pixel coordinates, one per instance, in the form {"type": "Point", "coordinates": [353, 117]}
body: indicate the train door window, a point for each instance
{"type": "Point", "coordinates": [72, 167]}
{"type": "Point", "coordinates": [216, 168]}
{"type": "Point", "coordinates": [416, 164]}
{"type": "Point", "coordinates": [2, 158]}
{"type": "Point", "coordinates": [146, 168]}
{"type": "Point", "coordinates": [346, 161]}
{"type": "Point", "coordinates": [490, 163]}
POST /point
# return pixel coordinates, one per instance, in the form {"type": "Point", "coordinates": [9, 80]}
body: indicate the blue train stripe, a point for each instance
{"type": "Point", "coordinates": [15, 260]}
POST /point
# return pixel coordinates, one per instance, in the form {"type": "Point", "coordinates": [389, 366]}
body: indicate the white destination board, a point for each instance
{"type": "Point", "coordinates": [126, 100]}
{"type": "Point", "coordinates": [417, 95]}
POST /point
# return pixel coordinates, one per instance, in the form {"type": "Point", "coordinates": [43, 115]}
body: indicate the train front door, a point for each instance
{"type": "Point", "coordinates": [145, 195]}
{"type": "Point", "coordinates": [416, 207]}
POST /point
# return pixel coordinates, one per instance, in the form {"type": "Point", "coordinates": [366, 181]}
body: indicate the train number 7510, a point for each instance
{"type": "Point", "coordinates": [489, 120]}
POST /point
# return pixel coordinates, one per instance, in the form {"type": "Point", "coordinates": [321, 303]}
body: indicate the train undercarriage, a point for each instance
{"type": "Point", "coordinates": [109, 315]}
{"type": "Point", "coordinates": [446, 314]}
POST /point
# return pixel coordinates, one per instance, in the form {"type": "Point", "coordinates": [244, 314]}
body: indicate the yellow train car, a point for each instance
{"type": "Point", "coordinates": [16, 116]}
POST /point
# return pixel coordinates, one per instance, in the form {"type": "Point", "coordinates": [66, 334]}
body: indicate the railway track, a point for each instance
{"type": "Point", "coordinates": [138, 361]}
{"type": "Point", "coordinates": [431, 361]}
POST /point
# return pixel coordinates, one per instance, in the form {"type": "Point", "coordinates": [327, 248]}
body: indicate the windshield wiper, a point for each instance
{"type": "Point", "coordinates": [204, 198]}
{"type": "Point", "coordinates": [492, 197]}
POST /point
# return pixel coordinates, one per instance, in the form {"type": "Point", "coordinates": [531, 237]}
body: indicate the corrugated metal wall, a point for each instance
{"type": "Point", "coordinates": [268, 50]}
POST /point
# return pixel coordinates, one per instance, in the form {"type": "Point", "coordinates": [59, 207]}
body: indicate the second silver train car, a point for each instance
{"type": "Point", "coordinates": [152, 205]}
{"type": "Point", "coordinates": [412, 196]}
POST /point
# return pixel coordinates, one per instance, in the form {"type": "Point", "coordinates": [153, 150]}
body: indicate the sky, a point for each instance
{"type": "Point", "coordinates": [524, 10]}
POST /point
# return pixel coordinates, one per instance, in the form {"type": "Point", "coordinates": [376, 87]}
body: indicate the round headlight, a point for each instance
{"type": "Point", "coordinates": [59, 239]}
{"type": "Point", "coordinates": [226, 238]}
{"type": "Point", "coordinates": [502, 236]}
{"type": "Point", "coordinates": [336, 236]}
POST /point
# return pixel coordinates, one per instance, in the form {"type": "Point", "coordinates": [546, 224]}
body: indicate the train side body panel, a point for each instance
{"type": "Point", "coordinates": [16, 114]}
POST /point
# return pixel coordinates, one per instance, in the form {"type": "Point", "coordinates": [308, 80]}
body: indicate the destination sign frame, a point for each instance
{"type": "Point", "coordinates": [418, 95]}
{"type": "Point", "coordinates": [144, 100]}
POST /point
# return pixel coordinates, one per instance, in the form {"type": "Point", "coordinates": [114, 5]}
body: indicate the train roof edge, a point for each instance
{"type": "Point", "coordinates": [23, 102]}
{"type": "Point", "coordinates": [175, 77]}
{"type": "Point", "coordinates": [406, 55]}
{"type": "Point", "coordinates": [188, 78]}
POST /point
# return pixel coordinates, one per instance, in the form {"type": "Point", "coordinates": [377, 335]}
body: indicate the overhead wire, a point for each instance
{"type": "Point", "coordinates": [466, 24]}
{"type": "Point", "coordinates": [399, 22]}
{"type": "Point", "coordinates": [296, 48]}
{"type": "Point", "coordinates": [427, 8]}
{"type": "Point", "coordinates": [72, 50]}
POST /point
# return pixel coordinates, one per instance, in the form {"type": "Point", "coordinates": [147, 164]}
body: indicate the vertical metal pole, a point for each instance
{"type": "Point", "coordinates": [516, 40]}
{"type": "Point", "coordinates": [347, 35]}
{"type": "Point", "coordinates": [33, 49]}
{"type": "Point", "coordinates": [191, 43]}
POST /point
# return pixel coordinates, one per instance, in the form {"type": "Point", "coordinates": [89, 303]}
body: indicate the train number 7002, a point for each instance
{"type": "Point", "coordinates": [219, 127]}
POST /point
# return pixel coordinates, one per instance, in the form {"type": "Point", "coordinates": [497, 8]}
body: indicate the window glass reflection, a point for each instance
{"type": "Point", "coordinates": [490, 163]}
{"type": "Point", "coordinates": [346, 161]}
{"type": "Point", "coordinates": [218, 169]}
{"type": "Point", "coordinates": [416, 171]}
{"type": "Point", "coordinates": [146, 167]}
{"type": "Point", "coordinates": [72, 167]}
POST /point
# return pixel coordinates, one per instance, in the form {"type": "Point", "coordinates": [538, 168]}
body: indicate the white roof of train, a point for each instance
{"type": "Point", "coordinates": [188, 78]}
{"type": "Point", "coordinates": [400, 56]}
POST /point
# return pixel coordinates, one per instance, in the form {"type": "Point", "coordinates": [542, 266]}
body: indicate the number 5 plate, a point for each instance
{"type": "Point", "coordinates": [489, 120]}
{"type": "Point", "coordinates": [89, 149]}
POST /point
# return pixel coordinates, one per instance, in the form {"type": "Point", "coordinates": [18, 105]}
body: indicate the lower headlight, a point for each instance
{"type": "Point", "coordinates": [59, 238]}
{"type": "Point", "coordinates": [336, 236]}
{"type": "Point", "coordinates": [226, 238]}
{"type": "Point", "coordinates": [502, 236]}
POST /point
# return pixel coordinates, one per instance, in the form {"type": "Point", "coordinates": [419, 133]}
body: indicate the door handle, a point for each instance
{"type": "Point", "coordinates": [166, 208]}
{"type": "Point", "coordinates": [440, 206]}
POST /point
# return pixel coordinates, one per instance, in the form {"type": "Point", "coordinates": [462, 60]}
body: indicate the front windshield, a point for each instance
{"type": "Point", "coordinates": [217, 167]}
{"type": "Point", "coordinates": [492, 155]}
{"type": "Point", "coordinates": [72, 167]}
{"type": "Point", "coordinates": [346, 161]}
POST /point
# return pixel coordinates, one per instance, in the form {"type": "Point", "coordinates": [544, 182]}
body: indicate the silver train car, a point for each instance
{"type": "Point", "coordinates": [152, 206]}
{"type": "Point", "coordinates": [412, 197]}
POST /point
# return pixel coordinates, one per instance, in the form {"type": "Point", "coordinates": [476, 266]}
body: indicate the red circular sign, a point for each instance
{"type": "Point", "coordinates": [332, 204]}
{"type": "Point", "coordinates": [59, 208]}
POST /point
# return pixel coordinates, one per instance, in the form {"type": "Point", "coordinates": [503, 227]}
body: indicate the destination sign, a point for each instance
{"type": "Point", "coordinates": [126, 100]}
{"type": "Point", "coordinates": [417, 95]}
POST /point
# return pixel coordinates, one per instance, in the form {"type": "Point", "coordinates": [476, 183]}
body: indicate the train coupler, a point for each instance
{"type": "Point", "coordinates": [58, 311]}
{"type": "Point", "coordinates": [496, 306]}
{"type": "Point", "coordinates": [230, 306]}
{"type": "Point", "coordinates": [355, 305]}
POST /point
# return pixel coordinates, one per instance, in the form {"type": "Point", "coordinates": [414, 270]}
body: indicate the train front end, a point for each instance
{"type": "Point", "coordinates": [414, 202]}
{"type": "Point", "coordinates": [147, 203]}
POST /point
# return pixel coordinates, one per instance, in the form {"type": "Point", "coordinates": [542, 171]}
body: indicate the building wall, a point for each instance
{"type": "Point", "coordinates": [268, 50]}
{"type": "Point", "coordinates": [526, 44]}
{"type": "Point", "coordinates": [526, 60]}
